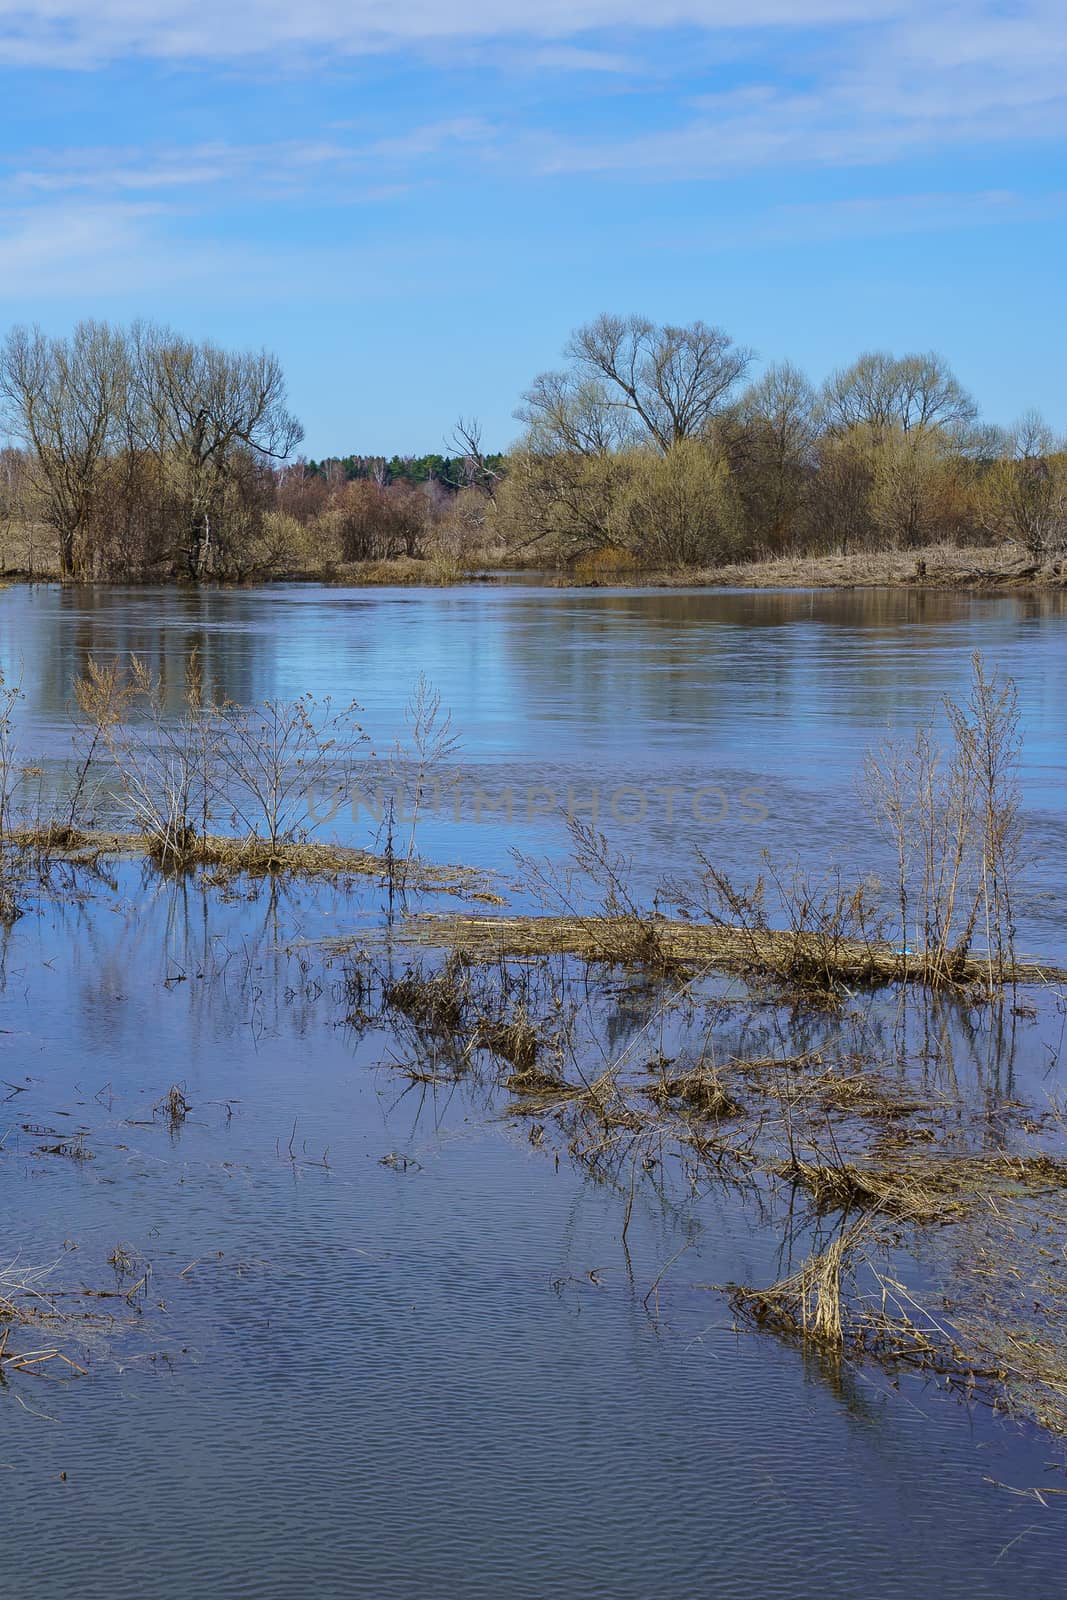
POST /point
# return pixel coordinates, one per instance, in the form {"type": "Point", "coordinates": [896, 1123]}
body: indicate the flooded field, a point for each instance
{"type": "Point", "coordinates": [363, 1310]}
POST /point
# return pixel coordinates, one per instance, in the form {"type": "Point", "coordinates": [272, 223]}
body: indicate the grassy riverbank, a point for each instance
{"type": "Point", "coordinates": [973, 569]}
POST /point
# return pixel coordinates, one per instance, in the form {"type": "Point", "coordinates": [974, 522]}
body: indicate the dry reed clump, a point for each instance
{"type": "Point", "coordinates": [534, 1080]}
{"type": "Point", "coordinates": [436, 1002]}
{"type": "Point", "coordinates": [225, 857]}
{"type": "Point", "coordinates": [971, 1180]}
{"type": "Point", "coordinates": [844, 1186]}
{"type": "Point", "coordinates": [1000, 1339]}
{"type": "Point", "coordinates": [25, 1303]}
{"type": "Point", "coordinates": [849, 1089]}
{"type": "Point", "coordinates": [230, 857]}
{"type": "Point", "coordinates": [807, 1304]}
{"type": "Point", "coordinates": [833, 937]}
{"type": "Point", "coordinates": [927, 1188]}
{"type": "Point", "coordinates": [823, 1305]}
{"type": "Point", "coordinates": [700, 1091]}
{"type": "Point", "coordinates": [513, 1038]}
{"type": "Point", "coordinates": [619, 932]}
{"type": "Point", "coordinates": [858, 1094]}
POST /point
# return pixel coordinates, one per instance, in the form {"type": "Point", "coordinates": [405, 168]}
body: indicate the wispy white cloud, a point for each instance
{"type": "Point", "coordinates": [87, 32]}
{"type": "Point", "coordinates": [902, 81]}
{"type": "Point", "coordinates": [973, 78]}
{"type": "Point", "coordinates": [129, 258]}
{"type": "Point", "coordinates": [430, 139]}
{"type": "Point", "coordinates": [295, 166]}
{"type": "Point", "coordinates": [892, 78]}
{"type": "Point", "coordinates": [82, 248]}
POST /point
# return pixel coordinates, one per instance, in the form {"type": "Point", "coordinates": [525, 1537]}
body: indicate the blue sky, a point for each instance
{"type": "Point", "coordinates": [413, 203]}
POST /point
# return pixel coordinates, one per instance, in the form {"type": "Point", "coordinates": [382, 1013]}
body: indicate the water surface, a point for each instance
{"type": "Point", "coordinates": [388, 1346]}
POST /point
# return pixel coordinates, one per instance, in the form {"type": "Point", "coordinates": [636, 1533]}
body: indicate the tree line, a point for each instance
{"type": "Point", "coordinates": [142, 450]}
{"type": "Point", "coordinates": [135, 453]}
{"type": "Point", "coordinates": [653, 440]}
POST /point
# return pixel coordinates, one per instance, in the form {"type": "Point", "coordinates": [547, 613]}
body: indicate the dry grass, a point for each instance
{"type": "Point", "coordinates": [847, 1089]}
{"type": "Point", "coordinates": [978, 568]}
{"type": "Point", "coordinates": [27, 1303]}
{"type": "Point", "coordinates": [434, 1001]}
{"type": "Point", "coordinates": [808, 1304]}
{"type": "Point", "coordinates": [844, 1186]}
{"type": "Point", "coordinates": [174, 1106]}
{"type": "Point", "coordinates": [701, 1091]}
{"type": "Point", "coordinates": [533, 1080]}
{"type": "Point", "coordinates": [925, 1188]}
{"type": "Point", "coordinates": [228, 856]}
{"type": "Point", "coordinates": [434, 571]}
{"type": "Point", "coordinates": [813, 1123]}
{"type": "Point", "coordinates": [687, 944]}
{"type": "Point", "coordinates": [513, 1038]}
{"type": "Point", "coordinates": [1009, 1307]}
{"type": "Point", "coordinates": [999, 1333]}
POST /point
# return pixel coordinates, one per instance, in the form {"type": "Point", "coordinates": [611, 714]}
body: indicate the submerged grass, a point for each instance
{"type": "Point", "coordinates": [226, 856]}
{"type": "Point", "coordinates": [831, 1142]}
{"type": "Point", "coordinates": [1000, 1333]}
{"type": "Point", "coordinates": [517, 1003]}
{"type": "Point", "coordinates": [699, 1090]}
{"type": "Point", "coordinates": [36, 1334]}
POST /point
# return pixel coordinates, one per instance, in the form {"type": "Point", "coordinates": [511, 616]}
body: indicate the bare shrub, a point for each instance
{"type": "Point", "coordinates": [832, 927]}
{"type": "Point", "coordinates": [953, 818]}
{"type": "Point", "coordinates": [168, 768]}
{"type": "Point", "coordinates": [275, 756]}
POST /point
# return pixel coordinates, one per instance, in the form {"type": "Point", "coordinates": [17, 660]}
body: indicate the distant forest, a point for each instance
{"type": "Point", "coordinates": [136, 454]}
{"type": "Point", "coordinates": [452, 472]}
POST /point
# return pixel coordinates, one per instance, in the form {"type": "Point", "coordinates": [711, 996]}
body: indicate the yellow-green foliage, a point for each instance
{"type": "Point", "coordinates": [678, 508]}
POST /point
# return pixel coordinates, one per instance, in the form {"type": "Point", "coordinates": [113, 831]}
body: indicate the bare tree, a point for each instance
{"type": "Point", "coordinates": [566, 412]}
{"type": "Point", "coordinates": [465, 441]}
{"type": "Point", "coordinates": [882, 391]}
{"type": "Point", "coordinates": [60, 398]}
{"type": "Point", "coordinates": [199, 408]}
{"type": "Point", "coordinates": [1026, 489]}
{"type": "Point", "coordinates": [632, 380]}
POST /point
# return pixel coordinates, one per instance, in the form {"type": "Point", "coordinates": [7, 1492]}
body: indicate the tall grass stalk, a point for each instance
{"type": "Point", "coordinates": [10, 694]}
{"type": "Point", "coordinates": [428, 745]}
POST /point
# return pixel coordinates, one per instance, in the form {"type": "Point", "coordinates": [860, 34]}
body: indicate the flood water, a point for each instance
{"type": "Point", "coordinates": [371, 1339]}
